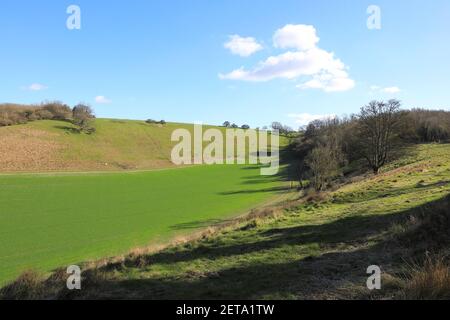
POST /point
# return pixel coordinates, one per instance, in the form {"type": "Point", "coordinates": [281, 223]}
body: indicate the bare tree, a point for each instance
{"type": "Point", "coordinates": [324, 166]}
{"type": "Point", "coordinates": [378, 122]}
{"type": "Point", "coordinates": [277, 126]}
{"type": "Point", "coordinates": [282, 129]}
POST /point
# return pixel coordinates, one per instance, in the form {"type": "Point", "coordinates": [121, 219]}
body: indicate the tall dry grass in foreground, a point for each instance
{"type": "Point", "coordinates": [430, 281]}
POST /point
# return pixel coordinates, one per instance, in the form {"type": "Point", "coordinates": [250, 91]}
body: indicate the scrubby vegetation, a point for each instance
{"type": "Point", "coordinates": [81, 115]}
{"type": "Point", "coordinates": [380, 133]}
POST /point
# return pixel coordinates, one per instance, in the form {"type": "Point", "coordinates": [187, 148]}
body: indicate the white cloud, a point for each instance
{"type": "Point", "coordinates": [392, 90]}
{"type": "Point", "coordinates": [325, 71]}
{"type": "Point", "coordinates": [102, 100]}
{"type": "Point", "coordinates": [291, 65]}
{"type": "Point", "coordinates": [304, 119]}
{"type": "Point", "coordinates": [243, 47]}
{"type": "Point", "coordinates": [389, 90]}
{"type": "Point", "coordinates": [300, 37]}
{"type": "Point", "coordinates": [329, 82]}
{"type": "Point", "coordinates": [36, 87]}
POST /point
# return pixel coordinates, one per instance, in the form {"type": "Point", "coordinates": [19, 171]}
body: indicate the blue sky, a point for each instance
{"type": "Point", "coordinates": [163, 59]}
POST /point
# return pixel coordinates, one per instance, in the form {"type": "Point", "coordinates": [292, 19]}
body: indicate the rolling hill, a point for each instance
{"type": "Point", "coordinates": [56, 146]}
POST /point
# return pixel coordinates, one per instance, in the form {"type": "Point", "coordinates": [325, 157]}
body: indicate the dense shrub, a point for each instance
{"type": "Point", "coordinates": [82, 115]}
{"type": "Point", "coordinates": [13, 114]}
{"type": "Point", "coordinates": [58, 110]}
{"type": "Point", "coordinates": [42, 114]}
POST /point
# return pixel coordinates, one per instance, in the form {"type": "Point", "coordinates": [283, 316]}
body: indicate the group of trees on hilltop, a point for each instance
{"type": "Point", "coordinates": [80, 115]}
{"type": "Point", "coordinates": [228, 124]}
{"type": "Point", "coordinates": [370, 139]}
{"type": "Point", "coordinates": [282, 129]}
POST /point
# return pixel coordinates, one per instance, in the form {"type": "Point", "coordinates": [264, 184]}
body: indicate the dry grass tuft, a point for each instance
{"type": "Point", "coordinates": [28, 286]}
{"type": "Point", "coordinates": [431, 281]}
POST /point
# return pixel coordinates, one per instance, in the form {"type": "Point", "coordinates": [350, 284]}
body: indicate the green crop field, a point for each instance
{"type": "Point", "coordinates": [52, 220]}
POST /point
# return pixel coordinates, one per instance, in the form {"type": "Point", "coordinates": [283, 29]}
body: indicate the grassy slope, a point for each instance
{"type": "Point", "coordinates": [117, 145]}
{"type": "Point", "coordinates": [315, 250]}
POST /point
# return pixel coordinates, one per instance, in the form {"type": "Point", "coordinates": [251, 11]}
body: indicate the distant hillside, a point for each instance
{"type": "Point", "coordinates": [50, 145]}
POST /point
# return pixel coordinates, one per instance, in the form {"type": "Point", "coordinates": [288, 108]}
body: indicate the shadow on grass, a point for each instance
{"type": "Point", "coordinates": [280, 189]}
{"type": "Point", "coordinates": [68, 129]}
{"type": "Point", "coordinates": [352, 230]}
{"type": "Point", "coordinates": [324, 273]}
{"type": "Point", "coordinates": [286, 173]}
{"type": "Point", "coordinates": [200, 224]}
{"type": "Point", "coordinates": [370, 195]}
{"type": "Point", "coordinates": [335, 269]}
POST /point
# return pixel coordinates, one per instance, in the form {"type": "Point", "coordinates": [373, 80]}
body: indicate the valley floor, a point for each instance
{"type": "Point", "coordinates": [54, 220]}
{"type": "Point", "coordinates": [318, 247]}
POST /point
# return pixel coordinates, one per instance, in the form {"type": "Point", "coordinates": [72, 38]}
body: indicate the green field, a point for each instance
{"type": "Point", "coordinates": [52, 220]}
{"type": "Point", "coordinates": [314, 248]}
